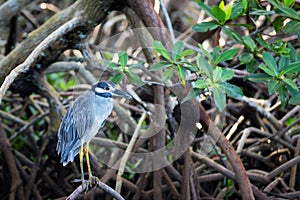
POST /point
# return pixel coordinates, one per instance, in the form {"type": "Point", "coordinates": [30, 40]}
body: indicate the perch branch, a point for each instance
{"type": "Point", "coordinates": [25, 66]}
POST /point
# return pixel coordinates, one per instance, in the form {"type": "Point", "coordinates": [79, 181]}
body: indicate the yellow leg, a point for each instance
{"type": "Point", "coordinates": [81, 162]}
{"type": "Point", "coordinates": [86, 153]}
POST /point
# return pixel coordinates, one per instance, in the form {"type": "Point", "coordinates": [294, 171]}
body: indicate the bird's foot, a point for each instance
{"type": "Point", "coordinates": [93, 180]}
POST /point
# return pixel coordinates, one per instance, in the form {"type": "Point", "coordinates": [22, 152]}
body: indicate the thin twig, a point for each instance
{"type": "Point", "coordinates": [127, 153]}
{"type": "Point", "coordinates": [168, 20]}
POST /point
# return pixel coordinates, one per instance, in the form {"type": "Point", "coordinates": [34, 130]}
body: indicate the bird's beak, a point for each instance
{"type": "Point", "coordinates": [120, 93]}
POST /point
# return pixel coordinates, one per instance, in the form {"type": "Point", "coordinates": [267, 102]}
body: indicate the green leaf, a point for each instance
{"type": "Point", "coordinates": [237, 10]}
{"type": "Point", "coordinates": [246, 58]}
{"type": "Point", "coordinates": [117, 78]}
{"type": "Point", "coordinates": [203, 65]}
{"type": "Point", "coordinates": [295, 99]}
{"type": "Point", "coordinates": [167, 74]}
{"type": "Point", "coordinates": [287, 3]}
{"type": "Point", "coordinates": [134, 77]}
{"type": "Point", "coordinates": [227, 74]}
{"type": "Point", "coordinates": [200, 83]}
{"type": "Point", "coordinates": [191, 95]}
{"type": "Point", "coordinates": [159, 48]}
{"type": "Point", "coordinates": [284, 61]}
{"type": "Point", "coordinates": [159, 66]}
{"type": "Point", "coordinates": [222, 5]}
{"type": "Point", "coordinates": [259, 77]}
{"type": "Point", "coordinates": [181, 74]}
{"type": "Point", "coordinates": [218, 14]}
{"type": "Point", "coordinates": [232, 90]}
{"type": "Point", "coordinates": [237, 37]}
{"type": "Point", "coordinates": [206, 9]}
{"type": "Point", "coordinates": [245, 4]}
{"type": "Point", "coordinates": [273, 86]}
{"type": "Point", "coordinates": [283, 95]}
{"type": "Point", "coordinates": [271, 63]}
{"type": "Point", "coordinates": [177, 49]}
{"type": "Point", "coordinates": [123, 58]}
{"type": "Point", "coordinates": [205, 52]}
{"type": "Point", "coordinates": [219, 97]}
{"type": "Point", "coordinates": [262, 12]}
{"type": "Point", "coordinates": [249, 42]}
{"type": "Point", "coordinates": [262, 42]}
{"type": "Point", "coordinates": [266, 69]}
{"type": "Point", "coordinates": [112, 65]}
{"type": "Point", "coordinates": [291, 68]}
{"type": "Point", "coordinates": [289, 12]}
{"type": "Point", "coordinates": [186, 52]}
{"type": "Point", "coordinates": [137, 65]}
{"type": "Point", "coordinates": [227, 55]}
{"type": "Point", "coordinates": [205, 26]}
{"type": "Point", "coordinates": [228, 11]}
{"type": "Point", "coordinates": [291, 84]}
{"type": "Point", "coordinates": [217, 74]}
{"type": "Point", "coordinates": [292, 27]}
{"type": "Point", "coordinates": [278, 24]}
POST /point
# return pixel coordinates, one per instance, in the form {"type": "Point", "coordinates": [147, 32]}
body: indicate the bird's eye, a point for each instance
{"type": "Point", "coordinates": [107, 88]}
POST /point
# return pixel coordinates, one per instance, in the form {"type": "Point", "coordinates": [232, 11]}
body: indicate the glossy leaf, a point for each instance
{"type": "Point", "coordinates": [206, 9]}
{"type": "Point", "coordinates": [246, 57]}
{"type": "Point", "coordinates": [134, 77]}
{"type": "Point", "coordinates": [227, 74]}
{"type": "Point", "coordinates": [200, 83]}
{"type": "Point", "coordinates": [159, 48]}
{"type": "Point", "coordinates": [291, 68]}
{"type": "Point", "coordinates": [249, 42]}
{"type": "Point", "coordinates": [287, 3]}
{"type": "Point", "coordinates": [217, 74]}
{"type": "Point", "coordinates": [160, 66]}
{"type": "Point", "coordinates": [186, 52]}
{"type": "Point", "coordinates": [191, 95]}
{"type": "Point", "coordinates": [232, 90]}
{"type": "Point", "coordinates": [266, 70]}
{"type": "Point", "coordinates": [177, 49]}
{"type": "Point", "coordinates": [292, 27]}
{"type": "Point", "coordinates": [291, 84]}
{"type": "Point", "coordinates": [283, 95]}
{"type": "Point", "coordinates": [167, 74]}
{"type": "Point", "coordinates": [112, 65]}
{"type": "Point", "coordinates": [181, 74]}
{"type": "Point", "coordinates": [219, 97]}
{"type": "Point", "coordinates": [259, 77]}
{"type": "Point", "coordinates": [237, 10]}
{"type": "Point", "coordinates": [203, 65]}
{"type": "Point", "coordinates": [295, 100]}
{"type": "Point", "coordinates": [205, 26]}
{"type": "Point", "coordinates": [273, 86]}
{"type": "Point", "coordinates": [218, 14]}
{"type": "Point", "coordinates": [117, 78]}
{"type": "Point", "coordinates": [123, 58]}
{"type": "Point", "coordinates": [227, 55]}
{"type": "Point", "coordinates": [228, 11]}
{"type": "Point", "coordinates": [271, 63]}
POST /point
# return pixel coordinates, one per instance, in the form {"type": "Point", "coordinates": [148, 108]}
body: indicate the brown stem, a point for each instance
{"type": "Point", "coordinates": [16, 188]}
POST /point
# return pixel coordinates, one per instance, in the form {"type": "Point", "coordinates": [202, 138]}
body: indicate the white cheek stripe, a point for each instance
{"type": "Point", "coordinates": [99, 90]}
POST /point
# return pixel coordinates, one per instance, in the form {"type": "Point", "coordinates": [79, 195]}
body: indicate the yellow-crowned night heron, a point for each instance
{"type": "Point", "coordinates": [83, 120]}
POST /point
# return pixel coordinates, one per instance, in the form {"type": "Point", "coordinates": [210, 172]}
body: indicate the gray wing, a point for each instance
{"type": "Point", "coordinates": [74, 125]}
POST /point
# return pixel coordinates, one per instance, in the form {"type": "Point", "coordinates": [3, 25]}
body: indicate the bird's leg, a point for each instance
{"type": "Point", "coordinates": [86, 153]}
{"type": "Point", "coordinates": [81, 162]}
{"type": "Point", "coordinates": [92, 178]}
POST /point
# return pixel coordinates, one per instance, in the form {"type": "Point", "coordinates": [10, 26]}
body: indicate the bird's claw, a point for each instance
{"type": "Point", "coordinates": [93, 180]}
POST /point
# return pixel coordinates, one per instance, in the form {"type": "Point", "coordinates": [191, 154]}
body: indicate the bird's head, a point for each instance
{"type": "Point", "coordinates": [108, 89]}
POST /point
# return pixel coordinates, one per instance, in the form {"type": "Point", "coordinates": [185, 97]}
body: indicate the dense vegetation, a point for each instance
{"type": "Point", "coordinates": [215, 86]}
